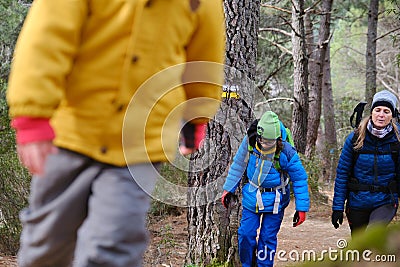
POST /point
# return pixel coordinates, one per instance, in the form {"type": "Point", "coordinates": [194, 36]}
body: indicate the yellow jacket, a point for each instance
{"type": "Point", "coordinates": [81, 63]}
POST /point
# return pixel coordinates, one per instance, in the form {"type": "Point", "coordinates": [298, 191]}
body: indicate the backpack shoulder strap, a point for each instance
{"type": "Point", "coordinates": [289, 137]}
{"type": "Point", "coordinates": [252, 135]}
{"type": "Point", "coordinates": [395, 152]}
{"type": "Point", "coordinates": [355, 154]}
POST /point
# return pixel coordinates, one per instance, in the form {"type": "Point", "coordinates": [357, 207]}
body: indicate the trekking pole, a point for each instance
{"type": "Point", "coordinates": [232, 204]}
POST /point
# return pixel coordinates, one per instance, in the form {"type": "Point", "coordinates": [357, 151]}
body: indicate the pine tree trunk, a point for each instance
{"type": "Point", "coordinates": [370, 56]}
{"type": "Point", "coordinates": [212, 229]}
{"type": "Point", "coordinates": [328, 105]}
{"type": "Point", "coordinates": [330, 145]}
{"type": "Point", "coordinates": [313, 79]}
{"type": "Point", "coordinates": [300, 77]}
{"type": "Point", "coordinates": [314, 117]}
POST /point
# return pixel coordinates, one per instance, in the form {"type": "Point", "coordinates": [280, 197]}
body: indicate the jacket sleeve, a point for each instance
{"type": "Point", "coordinates": [44, 56]}
{"type": "Point", "coordinates": [204, 74]}
{"type": "Point", "coordinates": [299, 178]}
{"type": "Point", "coordinates": [342, 174]}
{"type": "Point", "coordinates": [237, 168]}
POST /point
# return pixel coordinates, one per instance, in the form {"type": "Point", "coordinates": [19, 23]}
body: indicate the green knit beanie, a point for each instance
{"type": "Point", "coordinates": [268, 126]}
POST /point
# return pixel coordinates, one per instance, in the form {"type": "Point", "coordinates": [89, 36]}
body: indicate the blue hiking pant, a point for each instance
{"type": "Point", "coordinates": [267, 241]}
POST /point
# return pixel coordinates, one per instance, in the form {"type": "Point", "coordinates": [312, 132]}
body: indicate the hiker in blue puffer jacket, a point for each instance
{"type": "Point", "coordinates": [368, 170]}
{"type": "Point", "coordinates": [272, 163]}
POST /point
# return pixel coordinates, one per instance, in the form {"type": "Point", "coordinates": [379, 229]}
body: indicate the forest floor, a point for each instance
{"type": "Point", "coordinates": [168, 234]}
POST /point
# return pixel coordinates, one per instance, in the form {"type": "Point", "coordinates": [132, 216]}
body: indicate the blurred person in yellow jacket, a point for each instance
{"type": "Point", "coordinates": [96, 94]}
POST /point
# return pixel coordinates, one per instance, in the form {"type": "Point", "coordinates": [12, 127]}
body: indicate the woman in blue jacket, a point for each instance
{"type": "Point", "coordinates": [266, 193]}
{"type": "Point", "coordinates": [368, 170]}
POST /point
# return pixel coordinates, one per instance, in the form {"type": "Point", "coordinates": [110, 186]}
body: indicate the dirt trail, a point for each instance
{"type": "Point", "coordinates": [313, 236]}
{"type": "Point", "coordinates": [169, 236]}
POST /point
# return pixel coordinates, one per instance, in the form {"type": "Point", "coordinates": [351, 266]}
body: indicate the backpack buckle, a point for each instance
{"type": "Point", "coordinates": [374, 188]}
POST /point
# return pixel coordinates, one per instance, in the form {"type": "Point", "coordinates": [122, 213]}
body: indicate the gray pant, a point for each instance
{"type": "Point", "coordinates": [83, 211]}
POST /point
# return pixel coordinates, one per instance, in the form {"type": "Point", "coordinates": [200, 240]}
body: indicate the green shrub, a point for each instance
{"type": "Point", "coordinates": [175, 176]}
{"type": "Point", "coordinates": [314, 169]}
{"type": "Point", "coordinates": [14, 184]}
{"type": "Point", "coordinates": [14, 187]}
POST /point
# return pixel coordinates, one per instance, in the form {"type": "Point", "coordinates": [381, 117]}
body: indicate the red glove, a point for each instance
{"type": "Point", "coordinates": [226, 198]}
{"type": "Point", "coordinates": [298, 218]}
{"type": "Point", "coordinates": [192, 135]}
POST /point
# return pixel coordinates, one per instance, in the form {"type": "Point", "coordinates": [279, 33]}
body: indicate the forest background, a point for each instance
{"type": "Point", "coordinates": [345, 81]}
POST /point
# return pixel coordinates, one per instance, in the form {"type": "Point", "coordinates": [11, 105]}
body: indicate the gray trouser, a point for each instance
{"type": "Point", "coordinates": [85, 212]}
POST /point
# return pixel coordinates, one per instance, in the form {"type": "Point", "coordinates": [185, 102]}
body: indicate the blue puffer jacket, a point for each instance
{"type": "Point", "coordinates": [372, 169]}
{"type": "Point", "coordinates": [262, 172]}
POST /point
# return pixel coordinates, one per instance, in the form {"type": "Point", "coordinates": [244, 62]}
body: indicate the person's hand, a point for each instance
{"type": "Point", "coordinates": [337, 218]}
{"type": "Point", "coordinates": [33, 155]}
{"type": "Point", "coordinates": [184, 150]}
{"type": "Point", "coordinates": [226, 198]}
{"type": "Point", "coordinates": [192, 136]}
{"type": "Point", "coordinates": [298, 218]}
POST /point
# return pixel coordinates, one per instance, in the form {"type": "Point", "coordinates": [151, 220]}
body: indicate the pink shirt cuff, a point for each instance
{"type": "Point", "coordinates": [29, 130]}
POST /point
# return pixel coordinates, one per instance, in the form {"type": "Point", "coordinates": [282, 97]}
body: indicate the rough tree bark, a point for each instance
{"type": "Point", "coordinates": [314, 117]}
{"type": "Point", "coordinates": [212, 229]}
{"type": "Point", "coordinates": [328, 105]}
{"type": "Point", "coordinates": [300, 73]}
{"type": "Point", "coordinates": [330, 144]}
{"type": "Point", "coordinates": [313, 68]}
{"type": "Point", "coordinates": [370, 55]}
